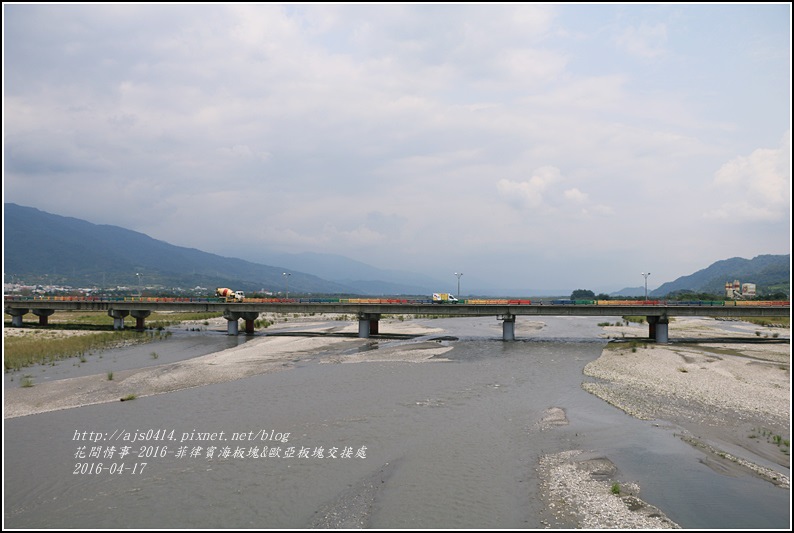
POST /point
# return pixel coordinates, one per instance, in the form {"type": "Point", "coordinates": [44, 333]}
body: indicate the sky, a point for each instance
{"type": "Point", "coordinates": [523, 145]}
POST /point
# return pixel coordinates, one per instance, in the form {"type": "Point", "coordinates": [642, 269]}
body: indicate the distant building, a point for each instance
{"type": "Point", "coordinates": [748, 290]}
{"type": "Point", "coordinates": [736, 290]}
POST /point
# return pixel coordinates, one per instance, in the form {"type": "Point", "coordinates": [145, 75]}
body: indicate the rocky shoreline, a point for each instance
{"type": "Point", "coordinates": [580, 494]}
{"type": "Point", "coordinates": [734, 394]}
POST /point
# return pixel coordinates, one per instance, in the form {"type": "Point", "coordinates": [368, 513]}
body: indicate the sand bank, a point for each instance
{"type": "Point", "coordinates": [734, 394]}
{"type": "Point", "coordinates": [270, 353]}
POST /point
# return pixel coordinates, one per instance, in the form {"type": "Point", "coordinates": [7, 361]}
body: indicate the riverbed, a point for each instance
{"type": "Point", "coordinates": [444, 427]}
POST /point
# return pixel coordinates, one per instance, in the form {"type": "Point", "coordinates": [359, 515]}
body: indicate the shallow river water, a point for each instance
{"type": "Point", "coordinates": [441, 444]}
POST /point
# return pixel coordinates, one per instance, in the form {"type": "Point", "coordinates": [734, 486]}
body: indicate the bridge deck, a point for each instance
{"type": "Point", "coordinates": [451, 310]}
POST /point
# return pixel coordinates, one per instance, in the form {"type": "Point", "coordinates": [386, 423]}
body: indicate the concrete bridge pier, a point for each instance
{"type": "Point", "coordinates": [232, 327]}
{"type": "Point", "coordinates": [661, 330]}
{"type": "Point", "coordinates": [508, 327]}
{"type": "Point", "coordinates": [658, 328]}
{"type": "Point", "coordinates": [367, 324]}
{"type": "Point", "coordinates": [139, 317]}
{"type": "Point", "coordinates": [118, 317]}
{"type": "Point", "coordinates": [16, 315]}
{"type": "Point", "coordinates": [43, 315]}
{"type": "Point", "coordinates": [249, 317]}
{"type": "Point", "coordinates": [652, 321]}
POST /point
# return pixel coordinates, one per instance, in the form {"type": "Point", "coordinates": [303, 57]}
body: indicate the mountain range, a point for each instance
{"type": "Point", "coordinates": [770, 273]}
{"type": "Point", "coordinates": [43, 248]}
{"type": "Point", "coordinates": [47, 249]}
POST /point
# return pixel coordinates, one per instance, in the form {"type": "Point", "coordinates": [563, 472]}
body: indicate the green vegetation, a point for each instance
{"type": "Point", "coordinates": [773, 438]}
{"type": "Point", "coordinates": [99, 334]}
{"type": "Point", "coordinates": [163, 320]}
{"type": "Point", "coordinates": [19, 352]}
{"type": "Point", "coordinates": [26, 381]}
{"type": "Point", "coordinates": [98, 320]}
{"type": "Point", "coordinates": [110, 376]}
{"type": "Point", "coordinates": [582, 294]}
{"type": "Point", "coordinates": [616, 488]}
{"type": "Point", "coordinates": [632, 345]}
{"type": "Point", "coordinates": [773, 321]}
{"type": "Point", "coordinates": [262, 324]}
{"type": "Point", "coordinates": [635, 319]}
{"type": "Point", "coordinates": [129, 397]}
{"type": "Point", "coordinates": [686, 295]}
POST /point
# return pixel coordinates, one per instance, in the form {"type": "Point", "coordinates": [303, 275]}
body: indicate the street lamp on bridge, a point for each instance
{"type": "Point", "coordinates": [286, 277]}
{"type": "Point", "coordinates": [458, 274]}
{"type": "Point", "coordinates": [646, 284]}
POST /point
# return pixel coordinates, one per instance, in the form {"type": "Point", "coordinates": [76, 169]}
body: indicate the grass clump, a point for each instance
{"type": "Point", "coordinates": [621, 345]}
{"type": "Point", "coordinates": [771, 321]}
{"type": "Point", "coordinates": [163, 320]}
{"type": "Point", "coordinates": [19, 352]}
{"type": "Point", "coordinates": [635, 319]}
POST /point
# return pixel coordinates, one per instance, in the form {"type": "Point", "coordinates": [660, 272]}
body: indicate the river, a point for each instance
{"type": "Point", "coordinates": [448, 444]}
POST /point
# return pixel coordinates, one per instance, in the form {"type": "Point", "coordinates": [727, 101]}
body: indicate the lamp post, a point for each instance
{"type": "Point", "coordinates": [646, 284]}
{"type": "Point", "coordinates": [286, 277]}
{"type": "Point", "coordinates": [458, 274]}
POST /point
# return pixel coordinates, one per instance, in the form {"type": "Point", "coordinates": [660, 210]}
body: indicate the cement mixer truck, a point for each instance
{"type": "Point", "coordinates": [230, 295]}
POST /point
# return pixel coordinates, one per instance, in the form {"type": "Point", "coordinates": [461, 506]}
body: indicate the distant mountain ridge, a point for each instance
{"type": "Point", "coordinates": [765, 271]}
{"type": "Point", "coordinates": [770, 273]}
{"type": "Point", "coordinates": [69, 251]}
{"type": "Point", "coordinates": [352, 273]}
{"type": "Point", "coordinates": [48, 249]}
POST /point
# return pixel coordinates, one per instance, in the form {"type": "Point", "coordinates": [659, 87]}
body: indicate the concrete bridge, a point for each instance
{"type": "Point", "coordinates": [368, 314]}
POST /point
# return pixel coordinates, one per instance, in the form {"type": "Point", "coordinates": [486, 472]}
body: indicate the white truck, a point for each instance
{"type": "Point", "coordinates": [444, 298]}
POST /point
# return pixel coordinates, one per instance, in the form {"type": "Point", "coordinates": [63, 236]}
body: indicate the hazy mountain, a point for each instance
{"type": "Point", "coordinates": [44, 248]}
{"type": "Point", "coordinates": [629, 292]}
{"type": "Point", "coordinates": [350, 272]}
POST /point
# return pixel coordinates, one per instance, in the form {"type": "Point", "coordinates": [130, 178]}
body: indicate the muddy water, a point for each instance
{"type": "Point", "coordinates": [443, 444]}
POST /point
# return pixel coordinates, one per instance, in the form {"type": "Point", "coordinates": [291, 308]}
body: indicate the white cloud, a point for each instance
{"type": "Point", "coordinates": [755, 187]}
{"type": "Point", "coordinates": [529, 194]}
{"type": "Point", "coordinates": [575, 196]}
{"type": "Point", "coordinates": [545, 191]}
